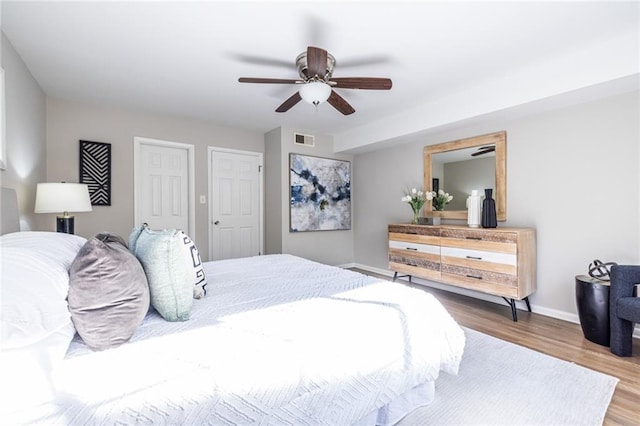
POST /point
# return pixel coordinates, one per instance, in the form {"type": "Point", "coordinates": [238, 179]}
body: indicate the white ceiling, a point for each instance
{"type": "Point", "coordinates": [184, 58]}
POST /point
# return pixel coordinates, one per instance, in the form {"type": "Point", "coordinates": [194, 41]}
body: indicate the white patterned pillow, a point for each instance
{"type": "Point", "coordinates": [192, 257]}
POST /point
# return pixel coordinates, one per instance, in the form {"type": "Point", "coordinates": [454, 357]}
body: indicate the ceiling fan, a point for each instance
{"type": "Point", "coordinates": [484, 150]}
{"type": "Point", "coordinates": [315, 67]}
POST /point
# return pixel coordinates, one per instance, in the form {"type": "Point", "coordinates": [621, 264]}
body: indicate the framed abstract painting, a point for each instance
{"type": "Point", "coordinates": [320, 193]}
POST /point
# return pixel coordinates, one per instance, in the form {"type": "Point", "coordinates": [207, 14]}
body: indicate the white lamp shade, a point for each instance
{"type": "Point", "coordinates": [59, 197]}
{"type": "Point", "coordinates": [315, 93]}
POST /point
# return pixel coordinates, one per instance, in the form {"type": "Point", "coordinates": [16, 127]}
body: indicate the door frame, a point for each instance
{"type": "Point", "coordinates": [138, 141]}
{"type": "Point", "coordinates": [259, 155]}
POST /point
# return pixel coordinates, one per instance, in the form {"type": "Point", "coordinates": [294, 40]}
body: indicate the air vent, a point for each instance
{"type": "Point", "coordinates": [306, 140]}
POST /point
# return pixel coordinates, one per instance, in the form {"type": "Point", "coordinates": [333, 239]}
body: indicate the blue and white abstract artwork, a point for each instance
{"type": "Point", "coordinates": [320, 193]}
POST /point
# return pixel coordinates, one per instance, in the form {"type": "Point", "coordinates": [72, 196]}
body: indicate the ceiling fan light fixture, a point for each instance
{"type": "Point", "coordinates": [315, 92]}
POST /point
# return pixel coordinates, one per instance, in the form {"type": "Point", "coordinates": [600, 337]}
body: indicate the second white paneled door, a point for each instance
{"type": "Point", "coordinates": [236, 203]}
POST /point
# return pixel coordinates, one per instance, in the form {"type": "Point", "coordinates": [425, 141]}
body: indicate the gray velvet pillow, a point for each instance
{"type": "Point", "coordinates": [108, 292]}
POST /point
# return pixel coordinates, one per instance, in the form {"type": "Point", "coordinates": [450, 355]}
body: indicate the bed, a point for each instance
{"type": "Point", "coordinates": [276, 340]}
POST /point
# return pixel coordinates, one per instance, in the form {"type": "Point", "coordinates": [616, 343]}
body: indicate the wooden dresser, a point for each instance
{"type": "Point", "coordinates": [497, 261]}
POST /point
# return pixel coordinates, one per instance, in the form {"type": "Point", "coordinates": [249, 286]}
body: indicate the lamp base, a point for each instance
{"type": "Point", "coordinates": [65, 224]}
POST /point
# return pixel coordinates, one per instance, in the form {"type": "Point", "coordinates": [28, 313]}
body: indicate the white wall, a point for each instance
{"type": "Point", "coordinates": [68, 122]}
{"type": "Point", "coordinates": [572, 174]}
{"type": "Point", "coordinates": [25, 135]}
{"type": "Point", "coordinates": [330, 247]}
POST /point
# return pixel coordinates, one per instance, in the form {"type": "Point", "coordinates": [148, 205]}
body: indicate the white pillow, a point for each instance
{"type": "Point", "coordinates": [33, 297]}
{"type": "Point", "coordinates": [58, 246]}
{"type": "Point", "coordinates": [28, 372]}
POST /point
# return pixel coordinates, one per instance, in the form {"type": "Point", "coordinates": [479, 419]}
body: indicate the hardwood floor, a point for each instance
{"type": "Point", "coordinates": [553, 337]}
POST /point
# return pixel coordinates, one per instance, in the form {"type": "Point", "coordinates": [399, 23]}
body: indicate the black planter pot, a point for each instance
{"type": "Point", "coordinates": [489, 219]}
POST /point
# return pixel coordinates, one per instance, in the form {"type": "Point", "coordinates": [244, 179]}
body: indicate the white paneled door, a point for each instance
{"type": "Point", "coordinates": [163, 185]}
{"type": "Point", "coordinates": [236, 199]}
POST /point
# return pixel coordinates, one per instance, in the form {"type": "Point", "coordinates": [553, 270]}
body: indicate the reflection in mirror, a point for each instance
{"type": "Point", "coordinates": [459, 167]}
{"type": "Point", "coordinates": [459, 172]}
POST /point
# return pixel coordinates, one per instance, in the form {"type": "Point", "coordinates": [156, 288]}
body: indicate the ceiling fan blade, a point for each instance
{"type": "Point", "coordinates": [339, 103]}
{"type": "Point", "coordinates": [484, 150]}
{"type": "Point", "coordinates": [366, 83]}
{"type": "Point", "coordinates": [286, 105]}
{"type": "Point", "coordinates": [268, 80]}
{"type": "Point", "coordinates": [316, 62]}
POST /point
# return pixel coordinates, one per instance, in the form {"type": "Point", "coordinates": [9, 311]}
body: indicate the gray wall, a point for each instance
{"type": "Point", "coordinates": [25, 135]}
{"type": "Point", "coordinates": [68, 122]}
{"type": "Point", "coordinates": [330, 247]}
{"type": "Point", "coordinates": [572, 174]}
{"type": "Point", "coordinates": [273, 191]}
{"type": "Point", "coordinates": [464, 176]}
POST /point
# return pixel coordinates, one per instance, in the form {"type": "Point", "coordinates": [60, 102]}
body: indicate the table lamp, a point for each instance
{"type": "Point", "coordinates": [62, 197]}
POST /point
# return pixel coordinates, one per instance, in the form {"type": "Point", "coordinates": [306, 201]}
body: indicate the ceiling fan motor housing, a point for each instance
{"type": "Point", "coordinates": [301, 64]}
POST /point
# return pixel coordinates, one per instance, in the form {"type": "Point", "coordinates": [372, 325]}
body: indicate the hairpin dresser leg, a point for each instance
{"type": "Point", "coordinates": [514, 311]}
{"type": "Point", "coordinates": [395, 275]}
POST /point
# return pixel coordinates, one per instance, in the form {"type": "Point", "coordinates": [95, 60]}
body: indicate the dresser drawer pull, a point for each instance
{"type": "Point", "coordinates": [412, 248]}
{"type": "Point", "coordinates": [474, 257]}
{"type": "Point", "coordinates": [473, 276]}
{"type": "Point", "coordinates": [473, 238]}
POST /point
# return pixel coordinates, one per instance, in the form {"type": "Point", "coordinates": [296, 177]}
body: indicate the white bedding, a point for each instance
{"type": "Point", "coordinates": [277, 340]}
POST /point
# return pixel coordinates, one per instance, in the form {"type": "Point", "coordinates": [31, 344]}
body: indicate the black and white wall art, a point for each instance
{"type": "Point", "coordinates": [95, 171]}
{"type": "Point", "coordinates": [320, 193]}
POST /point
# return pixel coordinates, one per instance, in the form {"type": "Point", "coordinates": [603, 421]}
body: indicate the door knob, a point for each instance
{"type": "Point", "coordinates": [216, 222]}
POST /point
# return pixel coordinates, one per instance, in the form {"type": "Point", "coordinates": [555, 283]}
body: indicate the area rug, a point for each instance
{"type": "Point", "coordinates": [503, 383]}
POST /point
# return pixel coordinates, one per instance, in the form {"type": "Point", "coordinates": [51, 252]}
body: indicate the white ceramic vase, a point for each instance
{"type": "Point", "coordinates": [474, 209]}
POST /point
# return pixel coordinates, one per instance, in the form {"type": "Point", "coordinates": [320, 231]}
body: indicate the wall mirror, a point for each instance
{"type": "Point", "coordinates": [460, 166]}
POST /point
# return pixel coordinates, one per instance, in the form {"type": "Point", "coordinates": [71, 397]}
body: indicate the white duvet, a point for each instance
{"type": "Point", "coordinates": [277, 340]}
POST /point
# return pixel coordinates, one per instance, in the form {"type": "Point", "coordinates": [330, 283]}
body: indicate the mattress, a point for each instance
{"type": "Point", "coordinates": [277, 340]}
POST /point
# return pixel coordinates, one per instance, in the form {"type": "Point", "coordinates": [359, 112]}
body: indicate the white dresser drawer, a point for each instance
{"type": "Point", "coordinates": [483, 256]}
{"type": "Point", "coordinates": [414, 247]}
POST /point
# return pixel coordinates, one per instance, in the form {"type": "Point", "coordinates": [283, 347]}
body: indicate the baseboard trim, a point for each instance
{"type": "Point", "coordinates": [542, 310]}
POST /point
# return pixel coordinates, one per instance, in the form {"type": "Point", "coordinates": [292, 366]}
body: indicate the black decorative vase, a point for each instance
{"type": "Point", "coordinates": [489, 219]}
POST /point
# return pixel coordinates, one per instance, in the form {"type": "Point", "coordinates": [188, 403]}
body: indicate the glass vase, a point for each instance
{"type": "Point", "coordinates": [416, 217]}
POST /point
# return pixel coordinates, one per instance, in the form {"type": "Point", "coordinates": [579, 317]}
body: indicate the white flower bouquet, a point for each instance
{"type": "Point", "coordinates": [416, 199]}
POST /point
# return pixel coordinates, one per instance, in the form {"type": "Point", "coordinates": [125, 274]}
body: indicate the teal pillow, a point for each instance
{"type": "Point", "coordinates": [170, 277]}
